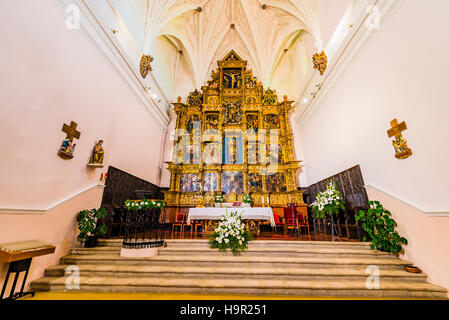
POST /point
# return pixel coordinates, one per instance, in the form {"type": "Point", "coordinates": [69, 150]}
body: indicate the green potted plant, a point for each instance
{"type": "Point", "coordinates": [89, 226]}
{"type": "Point", "coordinates": [328, 202]}
{"type": "Point", "coordinates": [380, 226]}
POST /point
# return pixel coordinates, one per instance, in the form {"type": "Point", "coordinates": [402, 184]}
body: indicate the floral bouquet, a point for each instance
{"type": "Point", "coordinates": [219, 198]}
{"type": "Point", "coordinates": [247, 198]}
{"type": "Point", "coordinates": [329, 201]}
{"type": "Point", "coordinates": [230, 233]}
{"type": "Point", "coordinates": [144, 204]}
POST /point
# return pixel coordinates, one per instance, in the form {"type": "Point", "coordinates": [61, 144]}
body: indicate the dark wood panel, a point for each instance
{"type": "Point", "coordinates": [350, 183]}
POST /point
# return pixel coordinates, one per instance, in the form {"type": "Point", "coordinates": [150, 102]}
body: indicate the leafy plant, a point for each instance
{"type": "Point", "coordinates": [230, 233]}
{"type": "Point", "coordinates": [88, 223]}
{"type": "Point", "coordinates": [380, 226]}
{"type": "Point", "coordinates": [329, 201]}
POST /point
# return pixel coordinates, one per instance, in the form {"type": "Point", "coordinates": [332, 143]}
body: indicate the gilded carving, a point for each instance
{"type": "Point", "coordinates": [244, 142]}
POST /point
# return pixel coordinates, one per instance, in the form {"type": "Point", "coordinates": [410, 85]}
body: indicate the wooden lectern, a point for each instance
{"type": "Point", "coordinates": [19, 255]}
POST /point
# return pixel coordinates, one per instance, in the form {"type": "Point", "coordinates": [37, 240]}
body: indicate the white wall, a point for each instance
{"type": "Point", "coordinates": [401, 73]}
{"type": "Point", "coordinates": [50, 75]}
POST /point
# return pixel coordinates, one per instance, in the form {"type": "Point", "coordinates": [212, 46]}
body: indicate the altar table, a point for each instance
{"type": "Point", "coordinates": [217, 213]}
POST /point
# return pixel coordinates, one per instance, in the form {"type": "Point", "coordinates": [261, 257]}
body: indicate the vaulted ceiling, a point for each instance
{"type": "Point", "coordinates": [187, 37]}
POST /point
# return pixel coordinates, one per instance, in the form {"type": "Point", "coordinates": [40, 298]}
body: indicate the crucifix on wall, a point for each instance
{"type": "Point", "coordinates": [67, 147]}
{"type": "Point", "coordinates": [399, 142]}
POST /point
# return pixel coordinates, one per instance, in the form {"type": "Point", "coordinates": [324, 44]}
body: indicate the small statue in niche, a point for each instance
{"type": "Point", "coordinates": [97, 155]}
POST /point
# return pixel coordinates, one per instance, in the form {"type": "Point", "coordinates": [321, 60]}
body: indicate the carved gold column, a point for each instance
{"type": "Point", "coordinates": [245, 180]}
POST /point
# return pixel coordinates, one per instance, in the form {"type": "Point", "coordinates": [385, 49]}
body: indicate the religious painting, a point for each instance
{"type": "Point", "coordinates": [210, 181]}
{"type": "Point", "coordinates": [190, 182]}
{"type": "Point", "coordinates": [232, 79]}
{"type": "Point", "coordinates": [192, 154]}
{"type": "Point", "coordinates": [233, 150]}
{"type": "Point", "coordinates": [194, 121]}
{"type": "Point", "coordinates": [274, 153]}
{"type": "Point", "coordinates": [212, 121]}
{"type": "Point", "coordinates": [276, 182]}
{"type": "Point", "coordinates": [254, 182]}
{"type": "Point", "coordinates": [232, 113]}
{"type": "Point", "coordinates": [232, 182]}
{"type": "Point", "coordinates": [272, 121]}
{"type": "Point", "coordinates": [212, 153]}
{"type": "Point", "coordinates": [252, 153]}
{"type": "Point", "coordinates": [252, 122]}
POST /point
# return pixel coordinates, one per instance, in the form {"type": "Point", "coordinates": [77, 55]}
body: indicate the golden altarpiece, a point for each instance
{"type": "Point", "coordinates": [233, 138]}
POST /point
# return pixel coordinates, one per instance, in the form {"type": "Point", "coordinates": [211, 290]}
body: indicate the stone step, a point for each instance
{"type": "Point", "coordinates": [239, 286]}
{"type": "Point", "coordinates": [238, 261]}
{"type": "Point", "coordinates": [133, 271]}
{"type": "Point", "coordinates": [256, 243]}
{"type": "Point", "coordinates": [280, 252]}
{"type": "Point", "coordinates": [252, 251]}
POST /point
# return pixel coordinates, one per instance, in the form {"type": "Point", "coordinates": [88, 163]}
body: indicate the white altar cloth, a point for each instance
{"type": "Point", "coordinates": [217, 213]}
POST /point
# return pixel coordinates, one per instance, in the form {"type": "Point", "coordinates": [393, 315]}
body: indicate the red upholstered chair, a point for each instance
{"type": "Point", "coordinates": [193, 224]}
{"type": "Point", "coordinates": [278, 222]}
{"type": "Point", "coordinates": [303, 222]}
{"type": "Point", "coordinates": [180, 221]}
{"type": "Point", "coordinates": [291, 221]}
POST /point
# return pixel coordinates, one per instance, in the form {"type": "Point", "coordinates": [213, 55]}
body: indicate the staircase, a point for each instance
{"type": "Point", "coordinates": [297, 268]}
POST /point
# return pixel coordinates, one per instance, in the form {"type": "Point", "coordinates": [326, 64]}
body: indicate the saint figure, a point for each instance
{"type": "Point", "coordinates": [97, 154]}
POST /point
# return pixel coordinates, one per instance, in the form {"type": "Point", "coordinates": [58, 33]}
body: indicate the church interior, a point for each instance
{"type": "Point", "coordinates": [224, 149]}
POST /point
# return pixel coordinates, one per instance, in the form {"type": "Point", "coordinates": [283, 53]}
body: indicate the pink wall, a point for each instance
{"type": "Point", "coordinates": [53, 75]}
{"type": "Point", "coordinates": [428, 237]}
{"type": "Point", "coordinates": [56, 227]}
{"type": "Point", "coordinates": [50, 75]}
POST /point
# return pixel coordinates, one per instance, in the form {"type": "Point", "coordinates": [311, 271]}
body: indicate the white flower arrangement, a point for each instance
{"type": "Point", "coordinates": [247, 198]}
{"type": "Point", "coordinates": [144, 204]}
{"type": "Point", "coordinates": [219, 198]}
{"type": "Point", "coordinates": [329, 201]}
{"type": "Point", "coordinates": [230, 233]}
